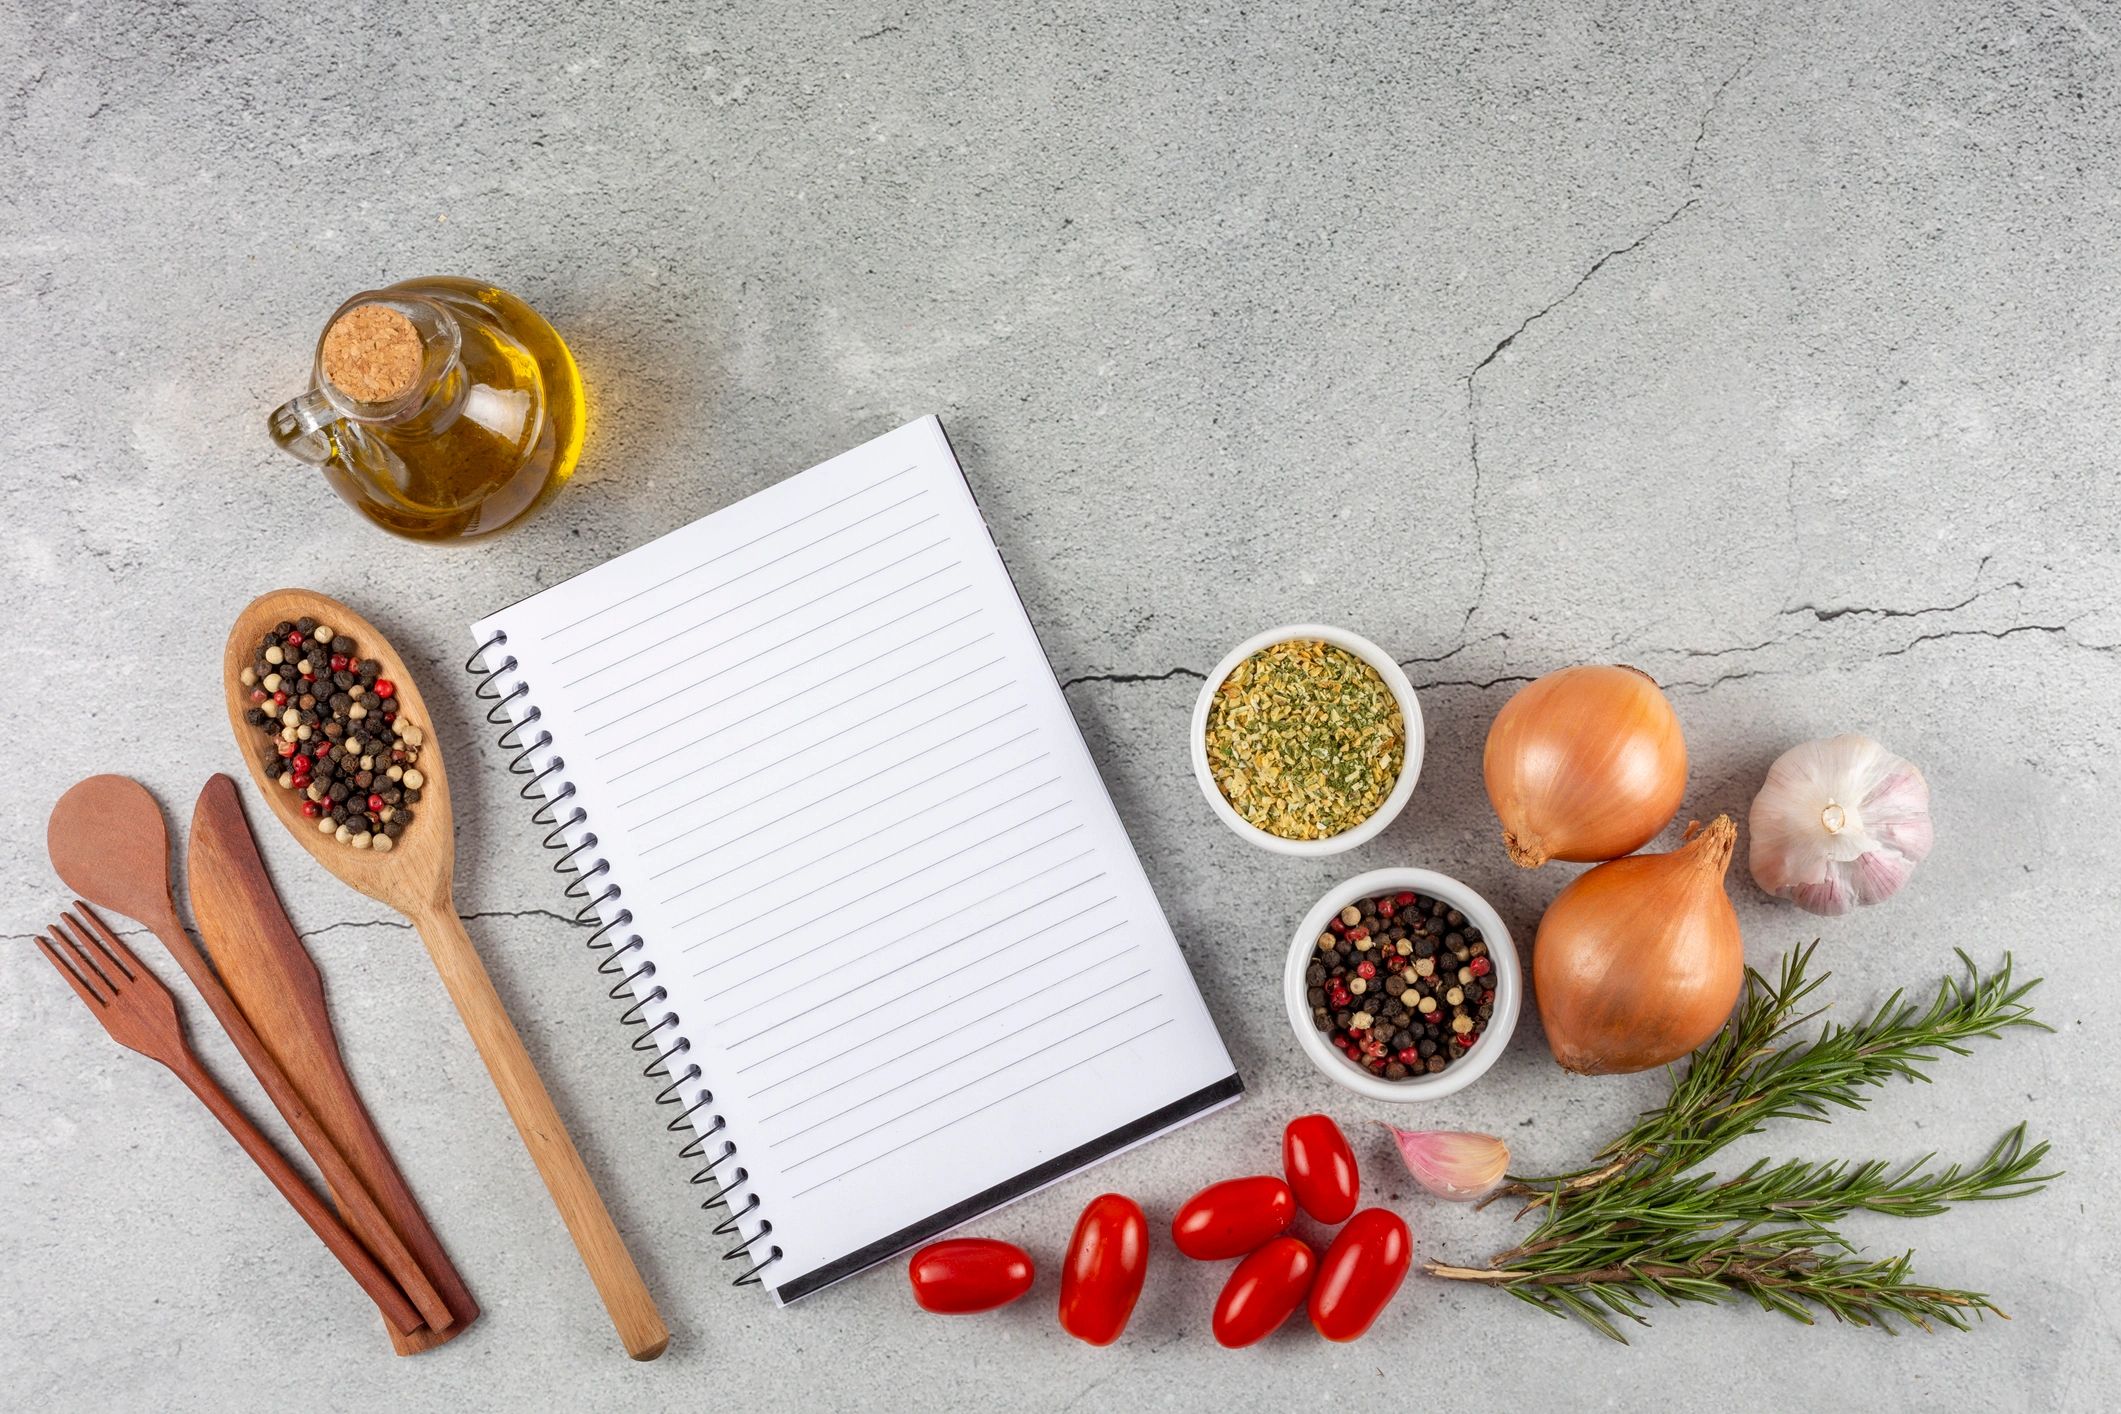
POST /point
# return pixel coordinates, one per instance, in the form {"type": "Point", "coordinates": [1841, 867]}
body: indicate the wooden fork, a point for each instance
{"type": "Point", "coordinates": [140, 1015]}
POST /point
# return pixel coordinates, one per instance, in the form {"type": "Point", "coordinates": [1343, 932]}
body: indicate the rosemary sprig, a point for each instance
{"type": "Point", "coordinates": [1797, 1191]}
{"type": "Point", "coordinates": [1640, 1226]}
{"type": "Point", "coordinates": [1855, 1290]}
{"type": "Point", "coordinates": [1744, 1079]}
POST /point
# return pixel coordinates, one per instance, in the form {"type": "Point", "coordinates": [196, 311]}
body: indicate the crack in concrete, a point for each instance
{"type": "Point", "coordinates": [1480, 530]}
{"type": "Point", "coordinates": [1165, 676]}
{"type": "Point", "coordinates": [1584, 279]}
{"type": "Point", "coordinates": [1698, 688]}
{"type": "Point", "coordinates": [2063, 629]}
{"type": "Point", "coordinates": [1451, 653]}
{"type": "Point", "coordinates": [393, 923]}
{"type": "Point", "coordinates": [1198, 676]}
{"type": "Point", "coordinates": [2013, 631]}
{"type": "Point", "coordinates": [1707, 114]}
{"type": "Point", "coordinates": [400, 923]}
{"type": "Point", "coordinates": [1469, 682]}
{"type": "Point", "coordinates": [1480, 536]}
{"type": "Point", "coordinates": [1828, 615]}
{"type": "Point", "coordinates": [1727, 652]}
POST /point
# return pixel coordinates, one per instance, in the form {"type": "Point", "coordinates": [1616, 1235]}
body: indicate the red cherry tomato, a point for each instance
{"type": "Point", "coordinates": [1108, 1259]}
{"type": "Point", "coordinates": [1360, 1273]}
{"type": "Point", "coordinates": [1266, 1287]}
{"type": "Point", "coordinates": [1321, 1167]}
{"type": "Point", "coordinates": [961, 1275]}
{"type": "Point", "coordinates": [1231, 1218]}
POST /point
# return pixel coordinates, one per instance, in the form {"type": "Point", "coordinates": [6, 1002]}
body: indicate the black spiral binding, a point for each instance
{"type": "Point", "coordinates": [582, 889]}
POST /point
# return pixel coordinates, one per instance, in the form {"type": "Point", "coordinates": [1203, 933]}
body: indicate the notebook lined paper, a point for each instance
{"type": "Point", "coordinates": [878, 878]}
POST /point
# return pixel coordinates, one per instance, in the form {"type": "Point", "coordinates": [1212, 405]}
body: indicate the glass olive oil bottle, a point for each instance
{"type": "Point", "coordinates": [442, 409]}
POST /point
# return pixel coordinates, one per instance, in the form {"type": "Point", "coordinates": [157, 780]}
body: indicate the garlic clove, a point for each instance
{"type": "Point", "coordinates": [1879, 875]}
{"type": "Point", "coordinates": [1454, 1165]}
{"type": "Point", "coordinates": [1830, 896]}
{"type": "Point", "coordinates": [1897, 812]}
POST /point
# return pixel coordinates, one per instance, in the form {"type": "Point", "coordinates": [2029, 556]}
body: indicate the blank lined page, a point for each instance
{"type": "Point", "coordinates": [878, 878]}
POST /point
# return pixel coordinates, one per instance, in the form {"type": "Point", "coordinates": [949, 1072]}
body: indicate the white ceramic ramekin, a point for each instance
{"type": "Point", "coordinates": [1508, 978]}
{"type": "Point", "coordinates": [1410, 717]}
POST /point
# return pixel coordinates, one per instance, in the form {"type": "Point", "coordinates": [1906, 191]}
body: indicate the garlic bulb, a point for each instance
{"type": "Point", "coordinates": [1838, 823]}
{"type": "Point", "coordinates": [1451, 1164]}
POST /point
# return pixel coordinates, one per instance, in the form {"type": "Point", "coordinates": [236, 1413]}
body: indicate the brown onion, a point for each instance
{"type": "Point", "coordinates": [1585, 764]}
{"type": "Point", "coordinates": [1639, 961]}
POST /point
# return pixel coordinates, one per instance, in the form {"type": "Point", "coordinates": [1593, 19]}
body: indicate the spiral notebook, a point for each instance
{"type": "Point", "coordinates": [884, 936]}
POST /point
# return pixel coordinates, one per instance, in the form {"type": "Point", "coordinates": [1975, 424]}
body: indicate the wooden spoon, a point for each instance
{"type": "Point", "coordinates": [417, 878]}
{"type": "Point", "coordinates": [108, 841]}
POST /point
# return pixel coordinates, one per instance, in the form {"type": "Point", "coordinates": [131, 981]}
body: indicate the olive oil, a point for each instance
{"type": "Point", "coordinates": [443, 409]}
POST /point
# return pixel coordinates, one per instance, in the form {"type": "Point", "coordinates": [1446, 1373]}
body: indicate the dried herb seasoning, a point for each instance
{"type": "Point", "coordinates": [1305, 740]}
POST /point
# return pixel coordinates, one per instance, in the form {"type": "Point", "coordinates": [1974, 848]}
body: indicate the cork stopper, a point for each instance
{"type": "Point", "coordinates": [372, 354]}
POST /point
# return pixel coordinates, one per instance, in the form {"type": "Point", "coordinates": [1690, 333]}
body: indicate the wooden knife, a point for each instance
{"type": "Point", "coordinates": [267, 970]}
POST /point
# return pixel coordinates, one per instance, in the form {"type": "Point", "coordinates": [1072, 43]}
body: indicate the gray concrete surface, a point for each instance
{"type": "Point", "coordinates": [1774, 353]}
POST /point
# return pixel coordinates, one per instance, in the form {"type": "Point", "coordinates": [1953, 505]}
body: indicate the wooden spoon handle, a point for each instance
{"type": "Point", "coordinates": [326, 1225]}
{"type": "Point", "coordinates": [574, 1193]}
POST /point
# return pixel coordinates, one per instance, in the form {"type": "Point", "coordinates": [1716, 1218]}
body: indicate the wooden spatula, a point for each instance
{"type": "Point", "coordinates": [417, 878]}
{"type": "Point", "coordinates": [272, 977]}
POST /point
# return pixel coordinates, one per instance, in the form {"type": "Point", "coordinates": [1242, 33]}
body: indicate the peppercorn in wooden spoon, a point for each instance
{"type": "Point", "coordinates": [417, 878]}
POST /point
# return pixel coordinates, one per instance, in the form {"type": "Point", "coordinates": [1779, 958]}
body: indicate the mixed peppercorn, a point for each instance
{"type": "Point", "coordinates": [332, 721]}
{"type": "Point", "coordinates": [1402, 984]}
